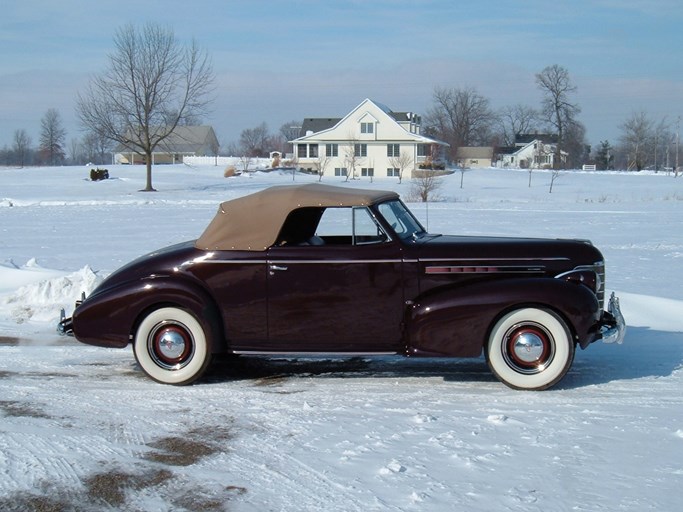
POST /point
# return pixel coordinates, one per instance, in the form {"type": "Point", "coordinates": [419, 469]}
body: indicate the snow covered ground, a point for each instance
{"type": "Point", "coordinates": [82, 429]}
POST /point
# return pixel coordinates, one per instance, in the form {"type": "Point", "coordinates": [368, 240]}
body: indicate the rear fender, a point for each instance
{"type": "Point", "coordinates": [457, 321]}
{"type": "Point", "coordinates": [111, 318]}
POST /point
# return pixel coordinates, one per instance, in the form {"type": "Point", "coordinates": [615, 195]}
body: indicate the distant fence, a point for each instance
{"type": "Point", "coordinates": [225, 161]}
{"type": "Point", "coordinates": [587, 167]}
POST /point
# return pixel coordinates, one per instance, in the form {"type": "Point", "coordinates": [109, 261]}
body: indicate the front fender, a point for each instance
{"type": "Point", "coordinates": [457, 321]}
{"type": "Point", "coordinates": [110, 318]}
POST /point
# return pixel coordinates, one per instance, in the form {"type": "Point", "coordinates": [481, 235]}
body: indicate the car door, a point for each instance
{"type": "Point", "coordinates": [342, 291]}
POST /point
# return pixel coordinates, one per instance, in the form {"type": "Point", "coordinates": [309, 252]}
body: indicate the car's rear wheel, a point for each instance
{"type": "Point", "coordinates": [530, 348]}
{"type": "Point", "coordinates": [171, 346]}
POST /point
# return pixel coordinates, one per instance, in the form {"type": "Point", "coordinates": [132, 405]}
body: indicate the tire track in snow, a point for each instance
{"type": "Point", "coordinates": [306, 488]}
{"type": "Point", "coordinates": [35, 460]}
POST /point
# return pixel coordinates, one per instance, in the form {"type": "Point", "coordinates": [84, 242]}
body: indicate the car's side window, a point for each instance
{"type": "Point", "coordinates": [366, 229]}
{"type": "Point", "coordinates": [349, 226]}
{"type": "Point", "coordinates": [299, 228]}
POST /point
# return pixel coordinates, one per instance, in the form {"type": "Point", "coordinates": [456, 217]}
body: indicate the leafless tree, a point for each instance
{"type": "Point", "coordinates": [96, 148]}
{"type": "Point", "coordinates": [461, 117]}
{"type": "Point", "coordinates": [401, 162]}
{"type": "Point", "coordinates": [541, 151]}
{"type": "Point", "coordinates": [245, 162]}
{"type": "Point", "coordinates": [75, 152]}
{"type": "Point", "coordinates": [290, 131]}
{"type": "Point", "coordinates": [637, 135]}
{"type": "Point", "coordinates": [553, 177]}
{"type": "Point", "coordinates": [21, 146]}
{"type": "Point", "coordinates": [515, 120]}
{"type": "Point", "coordinates": [321, 164]}
{"type": "Point", "coordinates": [425, 183]}
{"type": "Point", "coordinates": [52, 135]}
{"type": "Point", "coordinates": [578, 151]}
{"type": "Point", "coordinates": [215, 148]}
{"type": "Point", "coordinates": [353, 157]}
{"type": "Point", "coordinates": [230, 148]}
{"type": "Point", "coordinates": [557, 109]}
{"type": "Point", "coordinates": [254, 142]}
{"type": "Point", "coordinates": [152, 84]}
{"type": "Point", "coordinates": [191, 119]}
{"type": "Point", "coordinates": [662, 137]}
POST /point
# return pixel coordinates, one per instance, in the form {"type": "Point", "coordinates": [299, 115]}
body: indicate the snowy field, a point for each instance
{"type": "Point", "coordinates": [81, 428]}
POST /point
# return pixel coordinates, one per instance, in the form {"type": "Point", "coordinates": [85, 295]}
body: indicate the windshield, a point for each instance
{"type": "Point", "coordinates": [401, 219]}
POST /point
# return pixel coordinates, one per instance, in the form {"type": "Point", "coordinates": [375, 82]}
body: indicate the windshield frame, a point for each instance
{"type": "Point", "coordinates": [412, 229]}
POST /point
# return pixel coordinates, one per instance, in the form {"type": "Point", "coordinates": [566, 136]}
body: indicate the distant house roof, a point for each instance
{"type": "Point", "coordinates": [187, 140]}
{"type": "Point", "coordinates": [317, 124]}
{"type": "Point", "coordinates": [507, 150]}
{"type": "Point", "coordinates": [403, 117]}
{"type": "Point", "coordinates": [522, 139]}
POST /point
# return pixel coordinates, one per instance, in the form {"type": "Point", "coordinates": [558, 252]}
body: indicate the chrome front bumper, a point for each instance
{"type": "Point", "coordinates": [613, 327]}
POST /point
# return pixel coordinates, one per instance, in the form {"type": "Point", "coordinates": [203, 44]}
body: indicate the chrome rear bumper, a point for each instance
{"type": "Point", "coordinates": [65, 327]}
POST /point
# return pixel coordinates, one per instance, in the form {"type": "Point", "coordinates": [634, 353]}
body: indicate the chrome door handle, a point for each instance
{"type": "Point", "coordinates": [276, 268]}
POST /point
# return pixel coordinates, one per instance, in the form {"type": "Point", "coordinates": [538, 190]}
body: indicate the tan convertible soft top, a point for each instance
{"type": "Point", "coordinates": [253, 222]}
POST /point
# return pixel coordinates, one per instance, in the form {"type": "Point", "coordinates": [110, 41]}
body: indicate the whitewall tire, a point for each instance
{"type": "Point", "coordinates": [530, 348]}
{"type": "Point", "coordinates": [171, 346]}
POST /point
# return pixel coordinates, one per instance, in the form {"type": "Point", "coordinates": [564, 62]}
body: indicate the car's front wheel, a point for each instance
{"type": "Point", "coordinates": [530, 348]}
{"type": "Point", "coordinates": [171, 346]}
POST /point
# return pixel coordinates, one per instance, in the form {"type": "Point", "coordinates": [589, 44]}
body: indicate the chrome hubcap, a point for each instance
{"type": "Point", "coordinates": [171, 345]}
{"type": "Point", "coordinates": [528, 348]}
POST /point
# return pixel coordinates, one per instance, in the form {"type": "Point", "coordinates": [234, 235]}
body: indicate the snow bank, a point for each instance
{"type": "Point", "coordinates": [656, 313]}
{"type": "Point", "coordinates": [13, 276]}
{"type": "Point", "coordinates": [336, 435]}
{"type": "Point", "coordinates": [38, 294]}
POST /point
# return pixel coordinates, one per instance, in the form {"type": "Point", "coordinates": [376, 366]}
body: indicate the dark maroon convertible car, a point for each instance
{"type": "Point", "coordinates": [317, 269]}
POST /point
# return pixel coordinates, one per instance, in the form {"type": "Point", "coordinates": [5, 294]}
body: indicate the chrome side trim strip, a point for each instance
{"type": "Point", "coordinates": [460, 260]}
{"type": "Point", "coordinates": [310, 354]}
{"type": "Point", "coordinates": [234, 262]}
{"type": "Point", "coordinates": [328, 262]}
{"type": "Point", "coordinates": [491, 269]}
{"type": "Point", "coordinates": [297, 262]}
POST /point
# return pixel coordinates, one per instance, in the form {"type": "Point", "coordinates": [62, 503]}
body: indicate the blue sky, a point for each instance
{"type": "Point", "coordinates": [277, 61]}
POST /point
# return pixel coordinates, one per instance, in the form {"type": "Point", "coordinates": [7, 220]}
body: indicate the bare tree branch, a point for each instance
{"type": "Point", "coordinates": [557, 109]}
{"type": "Point", "coordinates": [52, 135]}
{"type": "Point", "coordinates": [461, 117]}
{"type": "Point", "coordinates": [152, 85]}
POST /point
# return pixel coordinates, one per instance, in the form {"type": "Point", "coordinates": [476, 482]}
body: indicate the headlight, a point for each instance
{"type": "Point", "coordinates": [592, 276]}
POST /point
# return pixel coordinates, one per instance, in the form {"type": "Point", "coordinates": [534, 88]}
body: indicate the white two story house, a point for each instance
{"type": "Point", "coordinates": [370, 141]}
{"type": "Point", "coordinates": [531, 151]}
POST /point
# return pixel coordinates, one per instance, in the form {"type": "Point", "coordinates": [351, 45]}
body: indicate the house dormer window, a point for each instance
{"type": "Point", "coordinates": [367, 128]}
